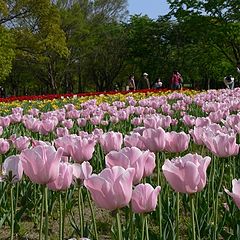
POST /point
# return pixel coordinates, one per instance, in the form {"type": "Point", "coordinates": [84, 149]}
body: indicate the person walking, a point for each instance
{"type": "Point", "coordinates": [176, 80]}
{"type": "Point", "coordinates": [144, 82]}
{"type": "Point", "coordinates": [131, 83]}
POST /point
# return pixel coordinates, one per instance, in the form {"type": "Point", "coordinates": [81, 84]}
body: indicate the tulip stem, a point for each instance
{"type": "Point", "coordinates": [209, 185]}
{"type": "Point", "coordinates": [216, 204]}
{"type": "Point", "coordinates": [80, 209]}
{"type": "Point", "coordinates": [119, 225]}
{"type": "Point", "coordinates": [193, 217]}
{"type": "Point", "coordinates": [177, 217]}
{"type": "Point", "coordinates": [146, 224]}
{"type": "Point", "coordinates": [17, 195]}
{"type": "Point", "coordinates": [93, 216]}
{"type": "Point", "coordinates": [61, 216]}
{"type": "Point", "coordinates": [64, 212]}
{"type": "Point", "coordinates": [132, 217]}
{"type": "Point", "coordinates": [143, 226]}
{"type": "Point", "coordinates": [46, 212]}
{"type": "Point", "coordinates": [159, 197]}
{"type": "Point", "coordinates": [12, 212]}
{"type": "Point", "coordinates": [41, 217]}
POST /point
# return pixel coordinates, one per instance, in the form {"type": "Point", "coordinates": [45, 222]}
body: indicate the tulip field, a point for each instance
{"type": "Point", "coordinates": [126, 166]}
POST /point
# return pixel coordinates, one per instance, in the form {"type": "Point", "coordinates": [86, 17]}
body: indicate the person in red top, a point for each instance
{"type": "Point", "coordinates": [176, 81]}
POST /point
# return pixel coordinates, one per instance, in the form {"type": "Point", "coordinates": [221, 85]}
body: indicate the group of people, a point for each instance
{"type": "Point", "coordinates": [229, 80]}
{"type": "Point", "coordinates": [144, 83]}
{"type": "Point", "coordinates": [176, 81]}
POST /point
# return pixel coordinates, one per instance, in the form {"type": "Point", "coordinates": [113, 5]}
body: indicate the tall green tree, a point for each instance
{"type": "Point", "coordinates": [6, 52]}
{"type": "Point", "coordinates": [95, 39]}
{"type": "Point", "coordinates": [39, 39]}
{"type": "Point", "coordinates": [221, 21]}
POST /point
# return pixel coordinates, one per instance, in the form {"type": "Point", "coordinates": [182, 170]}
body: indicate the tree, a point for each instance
{"type": "Point", "coordinates": [6, 52]}
{"type": "Point", "coordinates": [39, 39]}
{"type": "Point", "coordinates": [107, 56]}
{"type": "Point", "coordinates": [220, 19]}
{"type": "Point", "coordinates": [95, 39]}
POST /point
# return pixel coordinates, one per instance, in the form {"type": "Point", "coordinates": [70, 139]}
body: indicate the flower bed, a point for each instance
{"type": "Point", "coordinates": [142, 165]}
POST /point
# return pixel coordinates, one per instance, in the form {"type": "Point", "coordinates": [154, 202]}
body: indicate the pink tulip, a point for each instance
{"type": "Point", "coordinates": [69, 107]}
{"type": "Point", "coordinates": [157, 121]}
{"type": "Point", "coordinates": [34, 112]}
{"type": "Point", "coordinates": [12, 138]}
{"type": "Point", "coordinates": [64, 179]}
{"type": "Point", "coordinates": [174, 122]}
{"type": "Point", "coordinates": [186, 174]}
{"type": "Point", "coordinates": [123, 115]}
{"type": "Point", "coordinates": [139, 110]}
{"type": "Point", "coordinates": [111, 141]}
{"type": "Point", "coordinates": [74, 114]}
{"type": "Point", "coordinates": [40, 143]}
{"type": "Point", "coordinates": [189, 120]}
{"type": "Point", "coordinates": [137, 121]}
{"type": "Point", "coordinates": [1, 130]}
{"type": "Point", "coordinates": [104, 123]}
{"type": "Point", "coordinates": [197, 135]}
{"type": "Point", "coordinates": [112, 188]}
{"type": "Point", "coordinates": [81, 122]}
{"type": "Point", "coordinates": [4, 146]}
{"type": "Point", "coordinates": [68, 123]}
{"type": "Point", "coordinates": [17, 110]}
{"type": "Point", "coordinates": [97, 133]}
{"type": "Point", "coordinates": [62, 131]}
{"type": "Point", "coordinates": [95, 120]}
{"type": "Point", "coordinates": [5, 121]}
{"type": "Point", "coordinates": [41, 163]}
{"type": "Point", "coordinates": [144, 198]}
{"type": "Point", "coordinates": [47, 126]}
{"type": "Point", "coordinates": [216, 117]}
{"type": "Point", "coordinates": [114, 119]}
{"type": "Point", "coordinates": [22, 143]}
{"type": "Point", "coordinates": [235, 194]}
{"type": "Point", "coordinates": [32, 124]}
{"type": "Point", "coordinates": [202, 121]}
{"type": "Point", "coordinates": [104, 106]}
{"type": "Point", "coordinates": [60, 115]}
{"type": "Point", "coordinates": [65, 142]}
{"type": "Point", "coordinates": [14, 165]}
{"type": "Point", "coordinates": [134, 140]}
{"type": "Point", "coordinates": [176, 142]}
{"type": "Point", "coordinates": [222, 145]}
{"type": "Point", "coordinates": [149, 165]}
{"type": "Point", "coordinates": [154, 139]}
{"type": "Point", "coordinates": [81, 149]}
{"type": "Point", "coordinates": [129, 158]}
{"type": "Point", "coordinates": [15, 118]}
{"type": "Point", "coordinates": [82, 171]}
{"type": "Point", "coordinates": [139, 130]}
{"type": "Point", "coordinates": [83, 134]}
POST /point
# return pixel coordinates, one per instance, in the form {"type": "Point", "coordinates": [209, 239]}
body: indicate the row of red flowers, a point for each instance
{"type": "Point", "coordinates": [57, 96]}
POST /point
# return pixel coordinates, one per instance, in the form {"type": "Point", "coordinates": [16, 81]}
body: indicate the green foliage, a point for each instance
{"type": "Point", "coordinates": [6, 52]}
{"type": "Point", "coordinates": [78, 45]}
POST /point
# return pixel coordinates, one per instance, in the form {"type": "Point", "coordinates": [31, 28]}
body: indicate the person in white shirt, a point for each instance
{"type": "Point", "coordinates": [158, 84]}
{"type": "Point", "coordinates": [238, 67]}
{"type": "Point", "coordinates": [229, 81]}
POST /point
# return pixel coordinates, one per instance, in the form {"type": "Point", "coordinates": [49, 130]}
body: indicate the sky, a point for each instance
{"type": "Point", "coordinates": [152, 8]}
